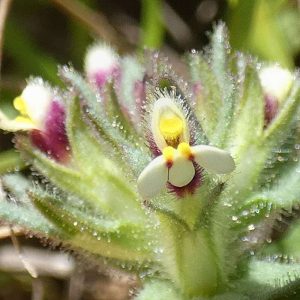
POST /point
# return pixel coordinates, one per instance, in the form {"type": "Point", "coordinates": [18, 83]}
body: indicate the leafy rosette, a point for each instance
{"type": "Point", "coordinates": [178, 179]}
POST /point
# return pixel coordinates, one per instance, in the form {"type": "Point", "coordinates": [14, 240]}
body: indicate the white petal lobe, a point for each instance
{"type": "Point", "coordinates": [213, 159]}
{"type": "Point", "coordinates": [38, 98]}
{"type": "Point", "coordinates": [153, 178]}
{"type": "Point", "coordinates": [182, 171]}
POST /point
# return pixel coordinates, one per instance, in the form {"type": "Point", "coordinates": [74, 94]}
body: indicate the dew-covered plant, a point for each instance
{"type": "Point", "coordinates": [177, 178]}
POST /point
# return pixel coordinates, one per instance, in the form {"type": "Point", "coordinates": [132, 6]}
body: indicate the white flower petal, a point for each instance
{"type": "Point", "coordinates": [182, 171]}
{"type": "Point", "coordinates": [213, 159]}
{"type": "Point", "coordinates": [13, 125]}
{"type": "Point", "coordinates": [100, 58]}
{"type": "Point", "coordinates": [37, 98]}
{"type": "Point", "coordinates": [276, 81]}
{"type": "Point", "coordinates": [153, 178]}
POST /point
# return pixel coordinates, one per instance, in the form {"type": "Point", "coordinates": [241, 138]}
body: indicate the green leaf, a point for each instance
{"type": "Point", "coordinates": [281, 158]}
{"type": "Point", "coordinates": [88, 150]}
{"type": "Point", "coordinates": [218, 54]}
{"type": "Point", "coordinates": [115, 113]}
{"type": "Point", "coordinates": [106, 192]}
{"type": "Point", "coordinates": [213, 86]}
{"type": "Point", "coordinates": [246, 140]}
{"type": "Point", "coordinates": [93, 233]}
{"type": "Point", "coordinates": [249, 214]}
{"type": "Point", "coordinates": [285, 193]}
{"type": "Point", "coordinates": [159, 290]}
{"type": "Point", "coordinates": [248, 130]}
{"type": "Point", "coordinates": [28, 218]}
{"type": "Point", "coordinates": [10, 161]}
{"type": "Point", "coordinates": [128, 148]}
{"type": "Point", "coordinates": [16, 209]}
{"type": "Point", "coordinates": [272, 273]}
{"type": "Point", "coordinates": [132, 74]}
{"type": "Point", "coordinates": [17, 184]}
{"type": "Point", "coordinates": [208, 94]}
{"type": "Point", "coordinates": [288, 292]}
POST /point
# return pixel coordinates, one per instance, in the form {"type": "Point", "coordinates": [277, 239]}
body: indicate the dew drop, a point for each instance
{"type": "Point", "coordinates": [251, 227]}
{"type": "Point", "coordinates": [234, 218]}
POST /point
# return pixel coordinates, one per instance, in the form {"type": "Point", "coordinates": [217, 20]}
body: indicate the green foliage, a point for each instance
{"type": "Point", "coordinates": [10, 161]}
{"type": "Point", "coordinates": [159, 290]}
{"type": "Point", "coordinates": [269, 29]}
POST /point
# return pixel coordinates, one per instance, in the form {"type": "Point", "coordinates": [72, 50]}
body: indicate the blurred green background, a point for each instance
{"type": "Point", "coordinates": [41, 34]}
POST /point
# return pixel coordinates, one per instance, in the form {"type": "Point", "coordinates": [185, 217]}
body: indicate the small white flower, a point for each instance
{"type": "Point", "coordinates": [101, 62]}
{"type": "Point", "coordinates": [33, 105]}
{"type": "Point", "coordinates": [176, 165]}
{"type": "Point", "coordinates": [276, 81]}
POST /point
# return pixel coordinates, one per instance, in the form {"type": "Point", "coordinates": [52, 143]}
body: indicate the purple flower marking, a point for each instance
{"type": "Point", "coordinates": [53, 139]}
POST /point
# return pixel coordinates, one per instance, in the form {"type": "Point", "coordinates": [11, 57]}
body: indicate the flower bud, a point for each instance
{"type": "Point", "coordinates": [42, 114]}
{"type": "Point", "coordinates": [101, 63]}
{"type": "Point", "coordinates": [276, 83]}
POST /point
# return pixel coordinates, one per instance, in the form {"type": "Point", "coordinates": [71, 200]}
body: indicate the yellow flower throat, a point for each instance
{"type": "Point", "coordinates": [171, 127]}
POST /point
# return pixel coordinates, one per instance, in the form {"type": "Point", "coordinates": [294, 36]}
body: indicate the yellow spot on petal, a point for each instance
{"type": "Point", "coordinates": [185, 149]}
{"type": "Point", "coordinates": [168, 153]}
{"type": "Point", "coordinates": [21, 119]}
{"type": "Point", "coordinates": [171, 127]}
{"type": "Point", "coordinates": [20, 105]}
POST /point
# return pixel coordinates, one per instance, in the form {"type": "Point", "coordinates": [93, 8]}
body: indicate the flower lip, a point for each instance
{"type": "Point", "coordinates": [178, 167]}
{"type": "Point", "coordinates": [182, 171]}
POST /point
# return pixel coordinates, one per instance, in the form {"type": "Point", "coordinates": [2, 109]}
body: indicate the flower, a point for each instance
{"type": "Point", "coordinates": [32, 106]}
{"type": "Point", "coordinates": [180, 164]}
{"type": "Point", "coordinates": [276, 83]}
{"type": "Point", "coordinates": [43, 115]}
{"type": "Point", "coordinates": [101, 63]}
